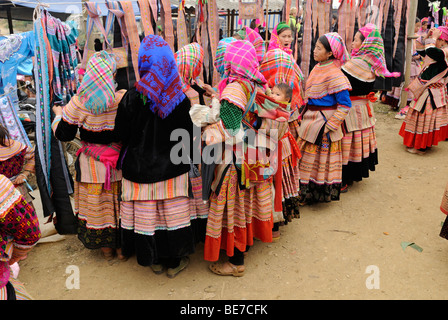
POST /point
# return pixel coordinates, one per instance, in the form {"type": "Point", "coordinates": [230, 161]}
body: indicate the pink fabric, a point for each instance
{"type": "Point", "coordinates": [274, 42]}
{"type": "Point", "coordinates": [106, 154]}
{"type": "Point", "coordinates": [254, 37]}
{"type": "Point", "coordinates": [337, 47]}
{"type": "Point", "coordinates": [367, 29]}
{"type": "Point", "coordinates": [444, 35]}
{"type": "Point", "coordinates": [241, 63]}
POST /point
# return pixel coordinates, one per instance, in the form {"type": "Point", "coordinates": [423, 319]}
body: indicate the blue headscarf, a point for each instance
{"type": "Point", "coordinates": [159, 77]}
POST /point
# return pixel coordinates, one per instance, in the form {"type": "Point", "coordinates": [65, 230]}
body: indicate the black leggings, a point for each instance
{"type": "Point", "coordinates": [238, 257]}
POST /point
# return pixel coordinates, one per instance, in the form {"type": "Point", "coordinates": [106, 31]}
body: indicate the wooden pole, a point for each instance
{"type": "Point", "coordinates": [411, 26]}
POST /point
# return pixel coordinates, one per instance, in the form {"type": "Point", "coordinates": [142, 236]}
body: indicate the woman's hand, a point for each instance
{"type": "Point", "coordinates": [435, 33]}
{"type": "Point", "coordinates": [209, 91]}
{"type": "Point", "coordinates": [326, 130]}
{"type": "Point", "coordinates": [19, 179]}
{"type": "Point", "coordinates": [57, 110]}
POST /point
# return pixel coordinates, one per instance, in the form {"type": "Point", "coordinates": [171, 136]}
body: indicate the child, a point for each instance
{"type": "Point", "coordinates": [282, 93]}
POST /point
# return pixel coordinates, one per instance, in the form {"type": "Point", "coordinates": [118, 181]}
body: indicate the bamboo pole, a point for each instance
{"type": "Point", "coordinates": [267, 22]}
{"type": "Point", "coordinates": [411, 26]}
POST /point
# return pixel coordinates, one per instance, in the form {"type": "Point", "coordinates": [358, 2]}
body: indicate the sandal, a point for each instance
{"type": "Point", "coordinates": [120, 256]}
{"type": "Point", "coordinates": [344, 188]}
{"type": "Point", "coordinates": [218, 268]}
{"type": "Point", "coordinates": [172, 272]}
{"type": "Point", "coordinates": [107, 253]}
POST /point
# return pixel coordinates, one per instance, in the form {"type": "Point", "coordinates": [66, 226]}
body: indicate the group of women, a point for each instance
{"type": "Point", "coordinates": [133, 199]}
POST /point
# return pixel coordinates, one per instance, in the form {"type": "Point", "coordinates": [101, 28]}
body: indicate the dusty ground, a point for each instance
{"type": "Point", "coordinates": [322, 255]}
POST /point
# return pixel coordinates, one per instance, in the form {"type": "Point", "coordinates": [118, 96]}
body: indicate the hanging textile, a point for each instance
{"type": "Point", "coordinates": [182, 35]}
{"type": "Point", "coordinates": [145, 16]}
{"type": "Point", "coordinates": [15, 50]}
{"type": "Point", "coordinates": [10, 120]}
{"type": "Point", "coordinates": [251, 10]}
{"type": "Point", "coordinates": [132, 35]}
{"type": "Point", "coordinates": [54, 40]}
{"type": "Point", "coordinates": [167, 22]}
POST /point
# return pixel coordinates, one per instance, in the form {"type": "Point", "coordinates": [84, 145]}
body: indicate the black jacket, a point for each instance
{"type": "Point", "coordinates": [145, 156]}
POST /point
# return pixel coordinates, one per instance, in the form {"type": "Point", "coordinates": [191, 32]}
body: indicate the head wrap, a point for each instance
{"type": "Point", "coordinates": [372, 52]}
{"type": "Point", "coordinates": [246, 33]}
{"type": "Point", "coordinates": [159, 77]}
{"type": "Point", "coordinates": [337, 46]}
{"type": "Point", "coordinates": [274, 42]}
{"type": "Point", "coordinates": [444, 35]}
{"type": "Point", "coordinates": [241, 64]}
{"type": "Point", "coordinates": [97, 88]}
{"type": "Point", "coordinates": [189, 60]}
{"type": "Point", "coordinates": [220, 52]}
{"type": "Point", "coordinates": [279, 67]}
{"type": "Point", "coordinates": [367, 29]}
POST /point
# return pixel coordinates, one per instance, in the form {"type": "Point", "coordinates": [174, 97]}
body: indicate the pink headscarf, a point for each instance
{"type": "Point", "coordinates": [337, 46]}
{"type": "Point", "coordinates": [367, 29]}
{"type": "Point", "coordinates": [444, 35]}
{"type": "Point", "coordinates": [241, 63]}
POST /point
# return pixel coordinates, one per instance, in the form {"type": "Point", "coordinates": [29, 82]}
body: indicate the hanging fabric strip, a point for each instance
{"type": "Point", "coordinates": [154, 10]}
{"type": "Point", "coordinates": [43, 73]}
{"type": "Point", "coordinates": [397, 22]}
{"type": "Point", "coordinates": [351, 26]}
{"type": "Point", "coordinates": [342, 21]}
{"type": "Point", "coordinates": [182, 35]}
{"type": "Point", "coordinates": [321, 17]}
{"type": "Point", "coordinates": [145, 15]}
{"type": "Point", "coordinates": [132, 34]}
{"type": "Point", "coordinates": [116, 12]}
{"type": "Point", "coordinates": [315, 17]}
{"type": "Point", "coordinates": [213, 31]}
{"type": "Point", "coordinates": [306, 42]}
{"type": "Point", "coordinates": [167, 22]}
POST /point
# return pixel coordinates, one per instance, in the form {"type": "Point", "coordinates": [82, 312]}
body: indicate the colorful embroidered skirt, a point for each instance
{"type": "Point", "coordinates": [290, 185]}
{"type": "Point", "coordinates": [426, 129]}
{"type": "Point", "coordinates": [20, 291]}
{"type": "Point", "coordinates": [238, 216]}
{"type": "Point", "coordinates": [359, 154]}
{"type": "Point", "coordinates": [320, 171]}
{"type": "Point", "coordinates": [157, 229]}
{"type": "Point", "coordinates": [98, 212]}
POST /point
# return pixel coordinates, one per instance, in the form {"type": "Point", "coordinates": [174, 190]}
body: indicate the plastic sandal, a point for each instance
{"type": "Point", "coordinates": [217, 268]}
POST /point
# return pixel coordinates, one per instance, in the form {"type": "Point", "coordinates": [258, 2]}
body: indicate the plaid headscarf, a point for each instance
{"type": "Point", "coordinates": [372, 52]}
{"type": "Point", "coordinates": [444, 35]}
{"type": "Point", "coordinates": [337, 46]}
{"type": "Point", "coordinates": [159, 77]}
{"type": "Point", "coordinates": [279, 67]}
{"type": "Point", "coordinates": [189, 60]}
{"type": "Point", "coordinates": [274, 42]}
{"type": "Point", "coordinates": [220, 52]}
{"type": "Point", "coordinates": [246, 33]}
{"type": "Point", "coordinates": [241, 64]}
{"type": "Point", "coordinates": [97, 89]}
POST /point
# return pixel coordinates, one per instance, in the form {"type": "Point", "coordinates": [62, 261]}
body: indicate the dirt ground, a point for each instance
{"type": "Point", "coordinates": [329, 253]}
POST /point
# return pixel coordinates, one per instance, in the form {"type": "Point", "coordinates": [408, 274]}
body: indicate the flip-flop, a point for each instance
{"type": "Point", "coordinates": [217, 268]}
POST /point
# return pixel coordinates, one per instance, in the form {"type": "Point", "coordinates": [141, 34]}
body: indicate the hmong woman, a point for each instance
{"type": "Point", "coordinates": [155, 205]}
{"type": "Point", "coordinates": [359, 146]}
{"type": "Point", "coordinates": [320, 134]}
{"type": "Point", "coordinates": [237, 214]}
{"type": "Point", "coordinates": [98, 183]}
{"type": "Point", "coordinates": [19, 232]}
{"type": "Point", "coordinates": [189, 60]}
{"type": "Point", "coordinates": [426, 122]}
{"type": "Point", "coordinates": [281, 38]}
{"type": "Point", "coordinates": [16, 163]}
{"type": "Point", "coordinates": [279, 67]}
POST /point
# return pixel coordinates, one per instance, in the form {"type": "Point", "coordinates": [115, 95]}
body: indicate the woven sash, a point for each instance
{"type": "Point", "coordinates": [165, 12]}
{"type": "Point", "coordinates": [145, 14]}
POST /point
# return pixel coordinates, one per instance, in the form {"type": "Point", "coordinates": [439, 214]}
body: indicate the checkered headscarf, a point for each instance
{"type": "Point", "coordinates": [97, 89]}
{"type": "Point", "coordinates": [189, 60]}
{"type": "Point", "coordinates": [241, 64]}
